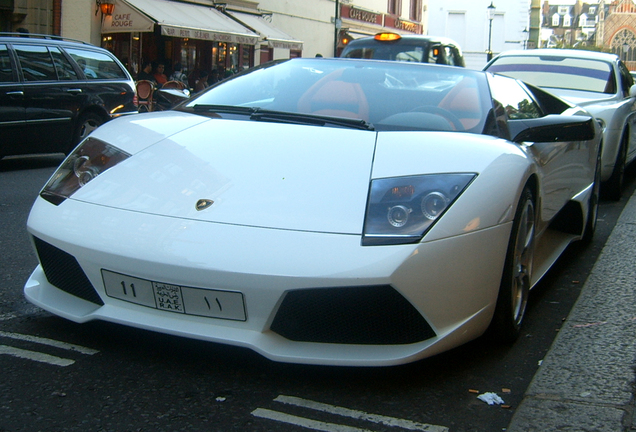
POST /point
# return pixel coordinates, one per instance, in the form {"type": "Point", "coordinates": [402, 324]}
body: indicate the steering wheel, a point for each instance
{"type": "Point", "coordinates": [452, 118]}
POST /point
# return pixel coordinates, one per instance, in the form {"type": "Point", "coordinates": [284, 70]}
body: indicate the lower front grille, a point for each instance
{"type": "Point", "coordinates": [373, 315]}
{"type": "Point", "coordinates": [64, 272]}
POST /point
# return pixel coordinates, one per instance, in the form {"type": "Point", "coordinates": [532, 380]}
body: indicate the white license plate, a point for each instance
{"type": "Point", "coordinates": [175, 298]}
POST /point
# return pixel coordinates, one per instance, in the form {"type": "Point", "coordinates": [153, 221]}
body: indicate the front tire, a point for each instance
{"type": "Point", "coordinates": [517, 275]}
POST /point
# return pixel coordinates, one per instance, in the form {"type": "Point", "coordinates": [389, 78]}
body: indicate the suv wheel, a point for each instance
{"type": "Point", "coordinates": [86, 124]}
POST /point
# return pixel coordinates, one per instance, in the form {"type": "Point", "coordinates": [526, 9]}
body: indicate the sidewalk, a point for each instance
{"type": "Point", "coordinates": [587, 382]}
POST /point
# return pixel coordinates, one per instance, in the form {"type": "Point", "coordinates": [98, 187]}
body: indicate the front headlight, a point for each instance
{"type": "Point", "coordinates": [86, 162]}
{"type": "Point", "coordinates": [401, 209]}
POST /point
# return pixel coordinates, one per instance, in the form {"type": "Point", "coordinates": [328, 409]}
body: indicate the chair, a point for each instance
{"type": "Point", "coordinates": [174, 85]}
{"type": "Point", "coordinates": [145, 90]}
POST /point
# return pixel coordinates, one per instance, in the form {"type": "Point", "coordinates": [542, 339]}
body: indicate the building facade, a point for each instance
{"type": "Point", "coordinates": [38, 16]}
{"type": "Point", "coordinates": [617, 30]}
{"type": "Point", "coordinates": [216, 36]}
{"type": "Point", "coordinates": [609, 26]}
{"type": "Point", "coordinates": [477, 30]}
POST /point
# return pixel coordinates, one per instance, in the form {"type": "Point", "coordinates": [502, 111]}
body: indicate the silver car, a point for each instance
{"type": "Point", "coordinates": [598, 82]}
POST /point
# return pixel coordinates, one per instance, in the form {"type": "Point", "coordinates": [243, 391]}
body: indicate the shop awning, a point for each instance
{"type": "Point", "coordinates": [126, 19]}
{"type": "Point", "coordinates": [274, 37]}
{"type": "Point", "coordinates": [192, 21]}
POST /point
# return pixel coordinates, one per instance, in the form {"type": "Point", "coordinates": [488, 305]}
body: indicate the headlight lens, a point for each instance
{"type": "Point", "coordinates": [401, 209]}
{"type": "Point", "coordinates": [88, 161]}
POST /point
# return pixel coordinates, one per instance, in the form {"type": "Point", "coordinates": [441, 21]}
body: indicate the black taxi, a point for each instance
{"type": "Point", "coordinates": [411, 48]}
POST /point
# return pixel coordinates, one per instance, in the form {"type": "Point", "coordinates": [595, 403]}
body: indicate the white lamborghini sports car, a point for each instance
{"type": "Point", "coordinates": [324, 211]}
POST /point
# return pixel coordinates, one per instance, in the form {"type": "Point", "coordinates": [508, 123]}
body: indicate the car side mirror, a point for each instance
{"type": "Point", "coordinates": [632, 91]}
{"type": "Point", "coordinates": [552, 128]}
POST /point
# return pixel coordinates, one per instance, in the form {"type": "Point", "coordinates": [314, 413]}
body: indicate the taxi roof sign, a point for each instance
{"type": "Point", "coordinates": [386, 37]}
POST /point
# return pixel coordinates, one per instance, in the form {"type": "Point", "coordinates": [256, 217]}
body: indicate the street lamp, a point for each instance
{"type": "Point", "coordinates": [491, 15]}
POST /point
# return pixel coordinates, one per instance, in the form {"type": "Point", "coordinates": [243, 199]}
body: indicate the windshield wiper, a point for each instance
{"type": "Point", "coordinates": [259, 114]}
{"type": "Point", "coordinates": [225, 109]}
{"type": "Point", "coordinates": [301, 118]}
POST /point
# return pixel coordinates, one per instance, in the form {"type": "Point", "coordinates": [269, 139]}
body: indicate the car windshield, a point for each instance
{"type": "Point", "coordinates": [384, 95]}
{"type": "Point", "coordinates": [399, 51]}
{"type": "Point", "coordinates": [558, 72]}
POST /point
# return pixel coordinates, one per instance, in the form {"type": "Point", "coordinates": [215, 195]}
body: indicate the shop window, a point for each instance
{"type": "Point", "coordinates": [415, 14]}
{"type": "Point", "coordinates": [247, 56]}
{"type": "Point", "coordinates": [394, 7]}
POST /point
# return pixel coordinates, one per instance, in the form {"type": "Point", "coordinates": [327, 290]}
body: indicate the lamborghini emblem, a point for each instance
{"type": "Point", "coordinates": [202, 204]}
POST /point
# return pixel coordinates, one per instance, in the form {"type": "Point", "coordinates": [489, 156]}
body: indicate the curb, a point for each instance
{"type": "Point", "coordinates": [586, 381]}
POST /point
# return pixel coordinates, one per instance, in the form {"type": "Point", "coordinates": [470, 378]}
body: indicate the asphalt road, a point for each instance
{"type": "Point", "coordinates": [60, 376]}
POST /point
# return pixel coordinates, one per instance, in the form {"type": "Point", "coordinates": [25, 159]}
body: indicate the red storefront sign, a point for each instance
{"type": "Point", "coordinates": [356, 14]}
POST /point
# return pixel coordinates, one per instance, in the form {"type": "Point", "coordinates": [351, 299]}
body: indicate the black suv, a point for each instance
{"type": "Point", "coordinates": [413, 48]}
{"type": "Point", "coordinates": [54, 92]}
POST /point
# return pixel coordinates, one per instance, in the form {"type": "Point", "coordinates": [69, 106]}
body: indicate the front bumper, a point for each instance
{"type": "Point", "coordinates": [452, 293]}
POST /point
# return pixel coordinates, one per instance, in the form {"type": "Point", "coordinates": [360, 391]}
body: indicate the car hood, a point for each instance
{"type": "Point", "coordinates": [269, 175]}
{"type": "Point", "coordinates": [581, 98]}
{"type": "Point", "coordinates": [252, 173]}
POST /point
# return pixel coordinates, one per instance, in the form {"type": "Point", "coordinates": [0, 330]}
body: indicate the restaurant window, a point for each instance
{"type": "Point", "coordinates": [247, 56]}
{"type": "Point", "coordinates": [395, 7]}
{"type": "Point", "coordinates": [188, 57]}
{"type": "Point", "coordinates": [415, 14]}
{"type": "Point", "coordinates": [233, 53]}
{"type": "Point", "coordinates": [221, 54]}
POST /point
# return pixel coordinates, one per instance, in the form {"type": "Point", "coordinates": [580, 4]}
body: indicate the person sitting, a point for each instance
{"type": "Point", "coordinates": [178, 75]}
{"type": "Point", "coordinates": [160, 77]}
{"type": "Point", "coordinates": [202, 83]}
{"type": "Point", "coordinates": [145, 73]}
{"type": "Point", "coordinates": [90, 73]}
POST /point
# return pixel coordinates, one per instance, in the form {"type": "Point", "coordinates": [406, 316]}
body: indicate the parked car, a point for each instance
{"type": "Point", "coordinates": [54, 92]}
{"type": "Point", "coordinates": [326, 211]}
{"type": "Point", "coordinates": [409, 48]}
{"type": "Point", "coordinates": [598, 82]}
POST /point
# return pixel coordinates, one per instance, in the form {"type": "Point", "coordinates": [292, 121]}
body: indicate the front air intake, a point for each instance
{"type": "Point", "coordinates": [373, 315]}
{"type": "Point", "coordinates": [64, 272]}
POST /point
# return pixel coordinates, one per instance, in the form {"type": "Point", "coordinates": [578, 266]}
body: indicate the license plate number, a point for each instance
{"type": "Point", "coordinates": [175, 298]}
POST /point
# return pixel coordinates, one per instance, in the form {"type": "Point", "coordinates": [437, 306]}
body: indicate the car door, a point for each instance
{"type": "Point", "coordinates": [560, 162]}
{"type": "Point", "coordinates": [12, 108]}
{"type": "Point", "coordinates": [51, 95]}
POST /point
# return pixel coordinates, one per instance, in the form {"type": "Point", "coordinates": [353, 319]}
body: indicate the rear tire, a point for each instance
{"type": "Point", "coordinates": [517, 274]}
